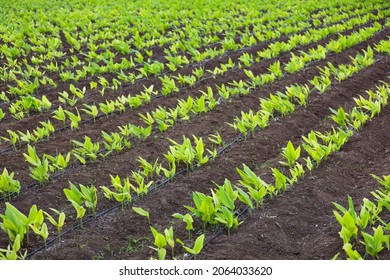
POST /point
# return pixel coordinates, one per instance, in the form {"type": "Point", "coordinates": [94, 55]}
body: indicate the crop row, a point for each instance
{"type": "Point", "coordinates": [116, 180]}
{"type": "Point", "coordinates": [221, 206]}
{"type": "Point", "coordinates": [121, 103]}
{"type": "Point", "coordinates": [25, 104]}
{"type": "Point", "coordinates": [165, 118]}
{"type": "Point", "coordinates": [368, 226]}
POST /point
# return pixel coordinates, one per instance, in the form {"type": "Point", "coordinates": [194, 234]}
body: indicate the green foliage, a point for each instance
{"type": "Point", "coordinates": [198, 245]}
{"type": "Point", "coordinates": [80, 197]}
{"type": "Point", "coordinates": [39, 170]}
{"type": "Point", "coordinates": [161, 240]}
{"type": "Point", "coordinates": [74, 118]}
{"type": "Point", "coordinates": [122, 190]}
{"type": "Point", "coordinates": [11, 253]}
{"type": "Point", "coordinates": [187, 218]}
{"type": "Point", "coordinates": [291, 154]}
{"type": "Point", "coordinates": [226, 216]}
{"type": "Point", "coordinates": [204, 208]}
{"type": "Point", "coordinates": [14, 223]}
{"type": "Point", "coordinates": [142, 212]}
{"type": "Point", "coordinates": [58, 162]}
{"type": "Point", "coordinates": [256, 187]}
{"type": "Point", "coordinates": [374, 243]}
{"type": "Point", "coordinates": [85, 150]}
{"type": "Point", "coordinates": [8, 184]}
{"type": "Point", "coordinates": [57, 223]}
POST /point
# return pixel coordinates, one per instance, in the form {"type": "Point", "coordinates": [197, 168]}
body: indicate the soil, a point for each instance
{"type": "Point", "coordinates": [299, 224]}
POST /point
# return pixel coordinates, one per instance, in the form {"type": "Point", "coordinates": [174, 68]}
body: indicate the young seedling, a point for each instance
{"type": "Point", "coordinates": [91, 110]}
{"type": "Point", "coordinates": [217, 139]}
{"type": "Point", "coordinates": [142, 212]}
{"type": "Point", "coordinates": [14, 223]}
{"type": "Point", "coordinates": [198, 245]}
{"type": "Point", "coordinates": [204, 208]}
{"type": "Point", "coordinates": [385, 182]}
{"type": "Point", "coordinates": [2, 114]}
{"type": "Point", "coordinates": [291, 154]}
{"type": "Point", "coordinates": [143, 187]}
{"type": "Point", "coordinates": [122, 190]}
{"type": "Point", "coordinates": [352, 254]}
{"type": "Point", "coordinates": [280, 180]}
{"type": "Point", "coordinates": [199, 149]}
{"type": "Point", "coordinates": [226, 216]}
{"type": "Point", "coordinates": [347, 221]}
{"type": "Point", "coordinates": [39, 170]}
{"type": "Point", "coordinates": [8, 184]}
{"type": "Point", "coordinates": [58, 224]}
{"type": "Point", "coordinates": [74, 119]}
{"type": "Point", "coordinates": [86, 195]}
{"type": "Point", "coordinates": [58, 162]}
{"type": "Point", "coordinates": [41, 231]}
{"type": "Point", "coordinates": [245, 198]}
{"type": "Point", "coordinates": [374, 243]}
{"type": "Point", "coordinates": [11, 253]}
{"type": "Point", "coordinates": [85, 150]}
{"type": "Point", "coordinates": [160, 242]}
{"type": "Point", "coordinates": [250, 179]}
{"type": "Point", "coordinates": [187, 218]}
{"type": "Point", "coordinates": [169, 237]}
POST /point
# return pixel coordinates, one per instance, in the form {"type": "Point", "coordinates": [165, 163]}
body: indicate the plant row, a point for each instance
{"type": "Point", "coordinates": [121, 103]}
{"type": "Point", "coordinates": [220, 207]}
{"type": "Point", "coordinates": [21, 108]}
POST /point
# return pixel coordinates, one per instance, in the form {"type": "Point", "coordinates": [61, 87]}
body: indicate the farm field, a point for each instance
{"type": "Point", "coordinates": [200, 129]}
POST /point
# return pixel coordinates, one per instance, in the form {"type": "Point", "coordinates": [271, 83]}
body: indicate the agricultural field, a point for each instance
{"type": "Point", "coordinates": [194, 129]}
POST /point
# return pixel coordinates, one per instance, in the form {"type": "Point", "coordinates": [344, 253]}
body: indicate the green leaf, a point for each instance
{"type": "Point", "coordinates": [244, 197]}
{"type": "Point", "coordinates": [169, 237]}
{"type": "Point", "coordinates": [161, 253]}
{"type": "Point", "coordinates": [141, 212]}
{"type": "Point", "coordinates": [352, 254]}
{"type": "Point", "coordinates": [160, 240]}
{"type": "Point", "coordinates": [198, 246]}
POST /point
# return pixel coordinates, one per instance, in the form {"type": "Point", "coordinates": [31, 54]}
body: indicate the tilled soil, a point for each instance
{"type": "Point", "coordinates": [296, 225]}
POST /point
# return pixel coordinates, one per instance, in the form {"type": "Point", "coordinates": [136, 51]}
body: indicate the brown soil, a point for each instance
{"type": "Point", "coordinates": [296, 225]}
